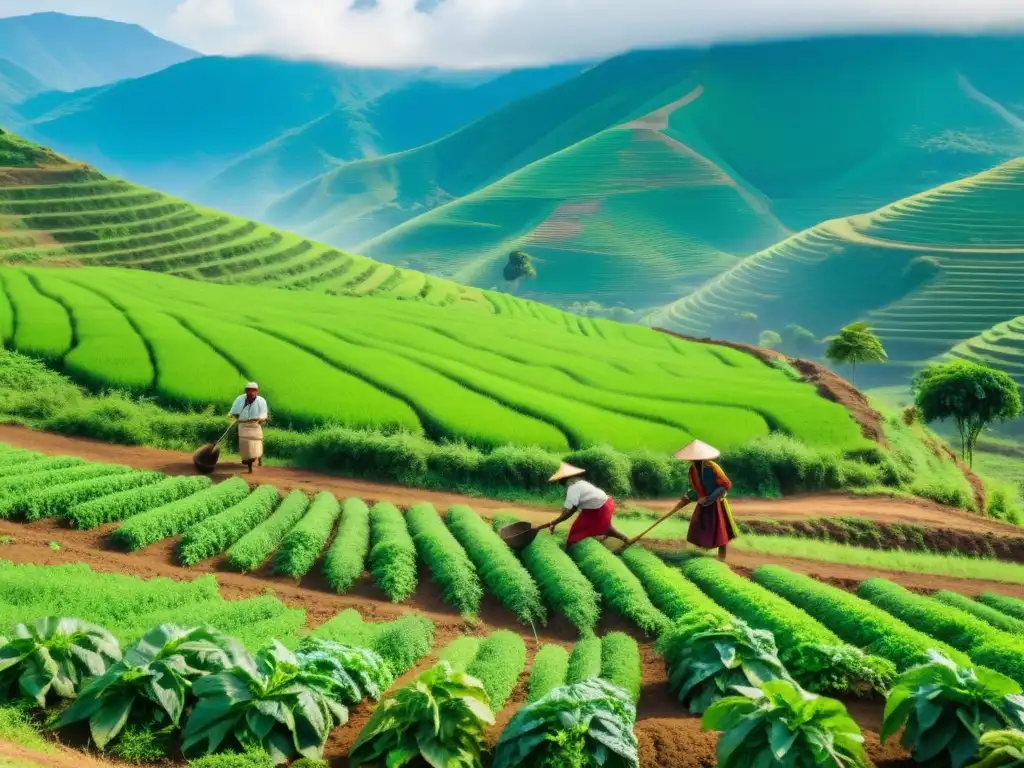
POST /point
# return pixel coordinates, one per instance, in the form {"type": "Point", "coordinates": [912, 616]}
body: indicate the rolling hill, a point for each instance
{"type": "Point", "coordinates": [930, 272]}
{"type": "Point", "coordinates": [449, 362]}
{"type": "Point", "coordinates": [410, 115]}
{"type": "Point", "coordinates": [794, 132]}
{"type": "Point", "coordinates": [71, 52]}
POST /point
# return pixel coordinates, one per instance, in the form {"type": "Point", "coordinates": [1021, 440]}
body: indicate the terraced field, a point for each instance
{"type": "Point", "coordinates": [928, 272]}
{"type": "Point", "coordinates": [1001, 346]}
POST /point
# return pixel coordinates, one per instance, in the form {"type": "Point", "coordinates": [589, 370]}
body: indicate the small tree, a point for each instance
{"type": "Point", "coordinates": [520, 265]}
{"type": "Point", "coordinates": [973, 396]}
{"type": "Point", "coordinates": [856, 343]}
{"type": "Point", "coordinates": [769, 340]}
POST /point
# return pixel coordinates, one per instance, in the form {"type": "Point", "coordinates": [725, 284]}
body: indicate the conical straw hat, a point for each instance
{"type": "Point", "coordinates": [698, 451]}
{"type": "Point", "coordinates": [564, 471]}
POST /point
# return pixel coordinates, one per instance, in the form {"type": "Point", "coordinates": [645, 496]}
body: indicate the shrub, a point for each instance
{"type": "Point", "coordinates": [121, 506]}
{"type": "Point", "coordinates": [518, 467]}
{"type": "Point", "coordinates": [1011, 606]}
{"type": "Point", "coordinates": [141, 744]}
{"type": "Point", "coordinates": [503, 574]}
{"type": "Point", "coordinates": [620, 663]}
{"type": "Point", "coordinates": [408, 723]}
{"type": "Point", "coordinates": [944, 708]}
{"type": "Point", "coordinates": [173, 518]}
{"type": "Point", "coordinates": [814, 731]}
{"type": "Point", "coordinates": [589, 723]}
{"type": "Point", "coordinates": [346, 559]}
{"type": "Point", "coordinates": [393, 553]}
{"type": "Point", "coordinates": [57, 501]}
{"type": "Point", "coordinates": [448, 562]}
{"type": "Point", "coordinates": [585, 661]}
{"type": "Point", "coordinates": [655, 475]}
{"type": "Point", "coordinates": [549, 671]}
{"type": "Point", "coordinates": [606, 468]}
{"type": "Point", "coordinates": [986, 613]}
{"type": "Point", "coordinates": [252, 758]}
{"type": "Point", "coordinates": [15, 490]}
{"type": "Point", "coordinates": [670, 591]}
{"type": "Point", "coordinates": [620, 588]}
{"type": "Point", "coordinates": [256, 547]}
{"type": "Point", "coordinates": [303, 544]}
{"type": "Point", "coordinates": [777, 465]}
{"type": "Point", "coordinates": [498, 664]}
{"type": "Point", "coordinates": [564, 588]}
{"type": "Point", "coordinates": [460, 652]}
{"type": "Point", "coordinates": [215, 534]}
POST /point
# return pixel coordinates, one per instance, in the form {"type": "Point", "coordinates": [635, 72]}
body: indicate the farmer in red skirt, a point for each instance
{"type": "Point", "coordinates": [594, 505]}
{"type": "Point", "coordinates": [712, 524]}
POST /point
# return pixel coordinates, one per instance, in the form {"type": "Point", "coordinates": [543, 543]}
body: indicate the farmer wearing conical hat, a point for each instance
{"type": "Point", "coordinates": [594, 505]}
{"type": "Point", "coordinates": [251, 411]}
{"type": "Point", "coordinates": [712, 524]}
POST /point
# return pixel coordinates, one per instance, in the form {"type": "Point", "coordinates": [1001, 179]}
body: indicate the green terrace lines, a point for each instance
{"type": "Point", "coordinates": [1001, 346]}
{"type": "Point", "coordinates": [552, 380]}
{"type": "Point", "coordinates": [928, 273]}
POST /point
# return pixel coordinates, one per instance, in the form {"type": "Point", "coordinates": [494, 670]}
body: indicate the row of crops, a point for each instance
{"type": "Point", "coordinates": [557, 382]}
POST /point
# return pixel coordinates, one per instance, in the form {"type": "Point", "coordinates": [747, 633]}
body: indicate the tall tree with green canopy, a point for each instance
{"type": "Point", "coordinates": [520, 265]}
{"type": "Point", "coordinates": [973, 396]}
{"type": "Point", "coordinates": [856, 343]}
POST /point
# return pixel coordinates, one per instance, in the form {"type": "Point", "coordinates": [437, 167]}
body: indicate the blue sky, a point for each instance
{"type": "Point", "coordinates": [470, 33]}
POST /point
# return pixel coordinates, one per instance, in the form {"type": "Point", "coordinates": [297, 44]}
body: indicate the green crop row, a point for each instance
{"type": "Point", "coordinates": [1011, 606]}
{"type": "Point", "coordinates": [549, 671]}
{"type": "Point", "coordinates": [981, 641]}
{"type": "Point", "coordinates": [255, 548]}
{"type": "Point", "coordinates": [618, 586]}
{"type": "Point", "coordinates": [856, 621]}
{"type": "Point", "coordinates": [14, 490]}
{"type": "Point", "coordinates": [10, 457]}
{"type": "Point", "coordinates": [498, 567]}
{"type": "Point", "coordinates": [564, 588]}
{"type": "Point", "coordinates": [669, 590]}
{"type": "Point", "coordinates": [584, 661]}
{"type": "Point", "coordinates": [620, 663]}
{"type": "Point", "coordinates": [346, 559]}
{"type": "Point", "coordinates": [303, 544]}
{"type": "Point", "coordinates": [59, 500]}
{"type": "Point", "coordinates": [460, 652]}
{"type": "Point", "coordinates": [986, 613]}
{"type": "Point", "coordinates": [215, 534]}
{"type": "Point", "coordinates": [401, 643]}
{"type": "Point", "coordinates": [121, 506]}
{"type": "Point", "coordinates": [449, 564]}
{"type": "Point", "coordinates": [393, 553]}
{"type": "Point", "coordinates": [818, 659]}
{"type": "Point", "coordinates": [498, 664]}
{"type": "Point", "coordinates": [38, 464]}
{"type": "Point", "coordinates": [174, 518]}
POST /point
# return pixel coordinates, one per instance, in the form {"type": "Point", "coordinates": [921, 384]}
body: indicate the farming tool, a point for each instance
{"type": "Point", "coordinates": [650, 528]}
{"type": "Point", "coordinates": [207, 456]}
{"type": "Point", "coordinates": [519, 535]}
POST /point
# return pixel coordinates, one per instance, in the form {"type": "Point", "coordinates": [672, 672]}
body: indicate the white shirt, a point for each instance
{"type": "Point", "coordinates": [255, 410]}
{"type": "Point", "coordinates": [585, 496]}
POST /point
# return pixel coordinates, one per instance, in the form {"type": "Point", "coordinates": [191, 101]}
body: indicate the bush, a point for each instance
{"type": "Point", "coordinates": [460, 652]}
{"type": "Point", "coordinates": [620, 663]}
{"type": "Point", "coordinates": [986, 613]}
{"type": "Point", "coordinates": [15, 490]}
{"type": "Point", "coordinates": [670, 591]}
{"type": "Point", "coordinates": [777, 465]}
{"type": "Point", "coordinates": [401, 643]}
{"type": "Point", "coordinates": [1011, 606]}
{"type": "Point", "coordinates": [549, 671]}
{"type": "Point", "coordinates": [121, 506]}
{"type": "Point", "coordinates": [585, 661]}
{"type": "Point", "coordinates": [346, 559]}
{"type": "Point", "coordinates": [654, 475]}
{"type": "Point", "coordinates": [449, 564]}
{"type": "Point", "coordinates": [518, 467]}
{"type": "Point", "coordinates": [253, 758]}
{"type": "Point", "coordinates": [498, 664]}
{"type": "Point", "coordinates": [303, 544]}
{"type": "Point", "coordinates": [606, 468]}
{"type": "Point", "coordinates": [393, 553]}
{"type": "Point", "coordinates": [256, 547]}
{"type": "Point", "coordinates": [564, 588]}
{"type": "Point", "coordinates": [215, 534]}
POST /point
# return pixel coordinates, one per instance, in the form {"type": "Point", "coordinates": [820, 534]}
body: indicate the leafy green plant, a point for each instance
{"type": "Point", "coordinates": [618, 586]}
{"type": "Point", "coordinates": [53, 655]}
{"type": "Point", "coordinates": [584, 661]}
{"type": "Point", "coordinates": [15, 490]}
{"type": "Point", "coordinates": [1000, 749]}
{"type": "Point", "coordinates": [346, 559]}
{"type": "Point", "coordinates": [304, 543]}
{"type": "Point", "coordinates": [670, 591]}
{"type": "Point", "coordinates": [255, 548]}
{"type": "Point", "coordinates": [549, 670]}
{"type": "Point", "coordinates": [359, 672]}
{"type": "Point", "coordinates": [449, 564]}
{"type": "Point", "coordinates": [620, 663]}
{"type": "Point", "coordinates": [591, 721]}
{"type": "Point", "coordinates": [778, 723]}
{"type": "Point", "coordinates": [268, 700]}
{"type": "Point", "coordinates": [215, 534]}
{"type": "Point", "coordinates": [57, 501]}
{"type": "Point", "coordinates": [393, 553]}
{"type": "Point", "coordinates": [707, 656]}
{"type": "Point", "coordinates": [151, 684]}
{"type": "Point", "coordinates": [944, 709]}
{"type": "Point", "coordinates": [439, 719]}
{"type": "Point", "coordinates": [141, 744]}
{"type": "Point", "coordinates": [254, 757]}
{"type": "Point", "coordinates": [499, 568]}
{"type": "Point", "coordinates": [986, 613]}
{"type": "Point", "coordinates": [564, 588]}
{"type": "Point", "coordinates": [498, 664]}
{"type": "Point", "coordinates": [401, 643]}
{"type": "Point", "coordinates": [120, 506]}
{"type": "Point", "coordinates": [1011, 606]}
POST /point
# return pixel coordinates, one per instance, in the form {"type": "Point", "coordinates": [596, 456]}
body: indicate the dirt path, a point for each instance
{"type": "Point", "coordinates": [877, 509]}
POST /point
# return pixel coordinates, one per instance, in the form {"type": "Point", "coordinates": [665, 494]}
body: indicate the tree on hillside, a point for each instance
{"type": "Point", "coordinates": [973, 396]}
{"type": "Point", "coordinates": [798, 341]}
{"type": "Point", "coordinates": [856, 343]}
{"type": "Point", "coordinates": [520, 265]}
{"type": "Point", "coordinates": [769, 339]}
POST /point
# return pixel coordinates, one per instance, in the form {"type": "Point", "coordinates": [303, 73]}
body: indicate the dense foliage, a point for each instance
{"type": "Point", "coordinates": [346, 559]}
{"type": "Point", "coordinates": [549, 671]}
{"type": "Point", "coordinates": [303, 544]}
{"type": "Point", "coordinates": [449, 564]}
{"type": "Point", "coordinates": [359, 673]}
{"type": "Point", "coordinates": [618, 586]}
{"type": "Point", "coordinates": [120, 506]}
{"type": "Point", "coordinates": [215, 534]}
{"type": "Point", "coordinates": [670, 591]}
{"type": "Point", "coordinates": [584, 661]}
{"type": "Point", "coordinates": [1000, 749]}
{"type": "Point", "coordinates": [392, 553]}
{"type": "Point", "coordinates": [620, 663]}
{"type": "Point", "coordinates": [57, 501]}
{"type": "Point", "coordinates": [255, 548]}
{"type": "Point", "coordinates": [497, 664]}
{"type": "Point", "coordinates": [564, 588]}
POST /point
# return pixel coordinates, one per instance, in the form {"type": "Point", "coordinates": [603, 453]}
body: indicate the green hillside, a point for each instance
{"type": "Point", "coordinates": [928, 272]}
{"type": "Point", "coordinates": [1001, 346]}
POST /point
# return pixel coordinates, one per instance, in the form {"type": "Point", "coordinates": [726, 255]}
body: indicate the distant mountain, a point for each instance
{"type": "Point", "coordinates": [406, 117]}
{"type": "Point", "coordinates": [17, 85]}
{"type": "Point", "coordinates": [71, 52]}
{"type": "Point", "coordinates": [178, 127]}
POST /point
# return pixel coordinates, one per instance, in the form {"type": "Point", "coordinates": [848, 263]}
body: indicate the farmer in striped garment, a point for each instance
{"type": "Point", "coordinates": [594, 505]}
{"type": "Point", "coordinates": [712, 524]}
{"type": "Point", "coordinates": [251, 411]}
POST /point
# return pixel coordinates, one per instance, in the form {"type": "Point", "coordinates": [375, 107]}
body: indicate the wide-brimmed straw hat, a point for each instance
{"type": "Point", "coordinates": [698, 451]}
{"type": "Point", "coordinates": [252, 385]}
{"type": "Point", "coordinates": [564, 471]}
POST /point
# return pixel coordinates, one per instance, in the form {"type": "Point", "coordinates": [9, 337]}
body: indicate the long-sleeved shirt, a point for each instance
{"type": "Point", "coordinates": [257, 409]}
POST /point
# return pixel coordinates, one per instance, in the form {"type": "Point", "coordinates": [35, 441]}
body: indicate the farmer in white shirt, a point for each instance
{"type": "Point", "coordinates": [251, 411]}
{"type": "Point", "coordinates": [594, 505]}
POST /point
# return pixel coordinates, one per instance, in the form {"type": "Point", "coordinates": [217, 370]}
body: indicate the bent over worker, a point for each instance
{"type": "Point", "coordinates": [712, 524]}
{"type": "Point", "coordinates": [595, 507]}
{"type": "Point", "coordinates": [251, 411]}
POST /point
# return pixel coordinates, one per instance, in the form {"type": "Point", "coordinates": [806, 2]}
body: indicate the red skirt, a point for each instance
{"type": "Point", "coordinates": [592, 522]}
{"type": "Point", "coordinates": [712, 526]}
